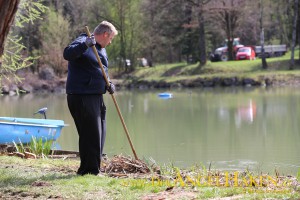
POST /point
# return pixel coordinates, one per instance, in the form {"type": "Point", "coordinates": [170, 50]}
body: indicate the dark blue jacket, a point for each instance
{"type": "Point", "coordinates": [84, 73]}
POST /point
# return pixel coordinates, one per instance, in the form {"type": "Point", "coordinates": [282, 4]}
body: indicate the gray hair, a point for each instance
{"type": "Point", "coordinates": [105, 26]}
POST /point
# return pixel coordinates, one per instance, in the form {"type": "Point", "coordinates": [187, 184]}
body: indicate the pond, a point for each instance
{"type": "Point", "coordinates": [227, 128]}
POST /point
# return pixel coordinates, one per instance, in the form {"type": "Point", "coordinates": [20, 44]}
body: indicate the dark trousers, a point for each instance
{"type": "Point", "coordinates": [88, 112]}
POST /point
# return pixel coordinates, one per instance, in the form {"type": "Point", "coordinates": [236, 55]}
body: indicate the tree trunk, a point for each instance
{"type": "Point", "coordinates": [123, 64]}
{"type": "Point", "coordinates": [292, 62]}
{"type": "Point", "coordinates": [8, 10]}
{"type": "Point", "coordinates": [229, 35]}
{"type": "Point", "coordinates": [262, 39]}
{"type": "Point", "coordinates": [202, 45]}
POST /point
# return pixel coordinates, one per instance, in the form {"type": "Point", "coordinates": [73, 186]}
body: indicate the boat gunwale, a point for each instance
{"type": "Point", "coordinates": [31, 124]}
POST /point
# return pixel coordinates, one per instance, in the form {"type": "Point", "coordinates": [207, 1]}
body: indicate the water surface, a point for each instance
{"type": "Point", "coordinates": [231, 128]}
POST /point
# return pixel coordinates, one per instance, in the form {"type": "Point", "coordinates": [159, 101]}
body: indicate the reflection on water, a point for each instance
{"type": "Point", "coordinates": [231, 128]}
{"type": "Point", "coordinates": [245, 112]}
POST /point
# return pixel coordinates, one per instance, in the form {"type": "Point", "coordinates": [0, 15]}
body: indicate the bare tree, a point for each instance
{"type": "Point", "coordinates": [8, 11]}
{"type": "Point", "coordinates": [283, 18]}
{"type": "Point", "coordinates": [202, 43]}
{"type": "Point", "coordinates": [227, 14]}
{"type": "Point", "coordinates": [199, 5]}
{"type": "Point", "coordinates": [163, 28]}
{"type": "Point", "coordinates": [262, 37]}
{"type": "Point", "coordinates": [292, 61]}
{"type": "Point", "coordinates": [126, 17]}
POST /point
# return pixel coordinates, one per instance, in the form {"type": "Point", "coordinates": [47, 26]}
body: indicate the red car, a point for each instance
{"type": "Point", "coordinates": [245, 53]}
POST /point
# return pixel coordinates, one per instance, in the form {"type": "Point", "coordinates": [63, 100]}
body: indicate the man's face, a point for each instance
{"type": "Point", "coordinates": [107, 39]}
{"type": "Point", "coordinates": [104, 39]}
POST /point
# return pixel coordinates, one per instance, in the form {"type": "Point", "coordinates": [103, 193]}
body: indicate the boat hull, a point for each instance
{"type": "Point", "coordinates": [23, 129]}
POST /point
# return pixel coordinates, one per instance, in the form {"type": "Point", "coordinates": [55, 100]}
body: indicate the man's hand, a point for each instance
{"type": "Point", "coordinates": [90, 41]}
{"type": "Point", "coordinates": [111, 88]}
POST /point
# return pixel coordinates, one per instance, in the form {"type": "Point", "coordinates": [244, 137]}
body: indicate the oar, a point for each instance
{"type": "Point", "coordinates": [112, 95]}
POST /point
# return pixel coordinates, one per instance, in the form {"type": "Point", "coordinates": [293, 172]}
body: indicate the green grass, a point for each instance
{"type": "Point", "coordinates": [278, 67]}
{"type": "Point", "coordinates": [19, 176]}
{"type": "Point", "coordinates": [48, 178]}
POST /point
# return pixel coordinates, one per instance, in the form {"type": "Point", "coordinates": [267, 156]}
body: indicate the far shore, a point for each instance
{"type": "Point", "coordinates": [57, 85]}
{"type": "Point", "coordinates": [168, 76]}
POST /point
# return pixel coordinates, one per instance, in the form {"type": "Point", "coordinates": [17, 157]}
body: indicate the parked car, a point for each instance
{"type": "Point", "coordinates": [245, 53]}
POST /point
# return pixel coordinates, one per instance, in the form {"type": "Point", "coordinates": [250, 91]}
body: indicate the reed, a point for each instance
{"type": "Point", "coordinates": [39, 147]}
{"type": "Point", "coordinates": [19, 147]}
{"type": "Point", "coordinates": [36, 146]}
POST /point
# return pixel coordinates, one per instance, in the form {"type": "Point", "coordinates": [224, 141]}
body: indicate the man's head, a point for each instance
{"type": "Point", "coordinates": [104, 33]}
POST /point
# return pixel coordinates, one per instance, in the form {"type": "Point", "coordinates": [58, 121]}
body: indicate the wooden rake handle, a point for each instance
{"type": "Point", "coordinates": [112, 95]}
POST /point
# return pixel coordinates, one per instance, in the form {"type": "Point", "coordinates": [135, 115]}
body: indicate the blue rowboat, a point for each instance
{"type": "Point", "coordinates": [23, 129]}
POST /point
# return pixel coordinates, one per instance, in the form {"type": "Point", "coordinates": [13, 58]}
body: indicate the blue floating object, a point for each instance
{"type": "Point", "coordinates": [23, 129]}
{"type": "Point", "coordinates": [165, 95]}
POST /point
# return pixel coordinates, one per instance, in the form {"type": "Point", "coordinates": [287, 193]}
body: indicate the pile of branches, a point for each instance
{"type": "Point", "coordinates": [122, 166]}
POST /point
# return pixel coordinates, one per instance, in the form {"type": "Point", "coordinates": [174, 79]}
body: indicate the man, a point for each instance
{"type": "Point", "coordinates": [85, 87]}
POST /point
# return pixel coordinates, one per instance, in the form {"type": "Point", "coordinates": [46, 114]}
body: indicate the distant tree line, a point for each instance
{"type": "Point", "coordinates": [162, 31]}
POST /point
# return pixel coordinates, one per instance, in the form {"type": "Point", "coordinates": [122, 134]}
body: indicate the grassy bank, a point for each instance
{"type": "Point", "coordinates": [278, 69]}
{"type": "Point", "coordinates": [56, 179]}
